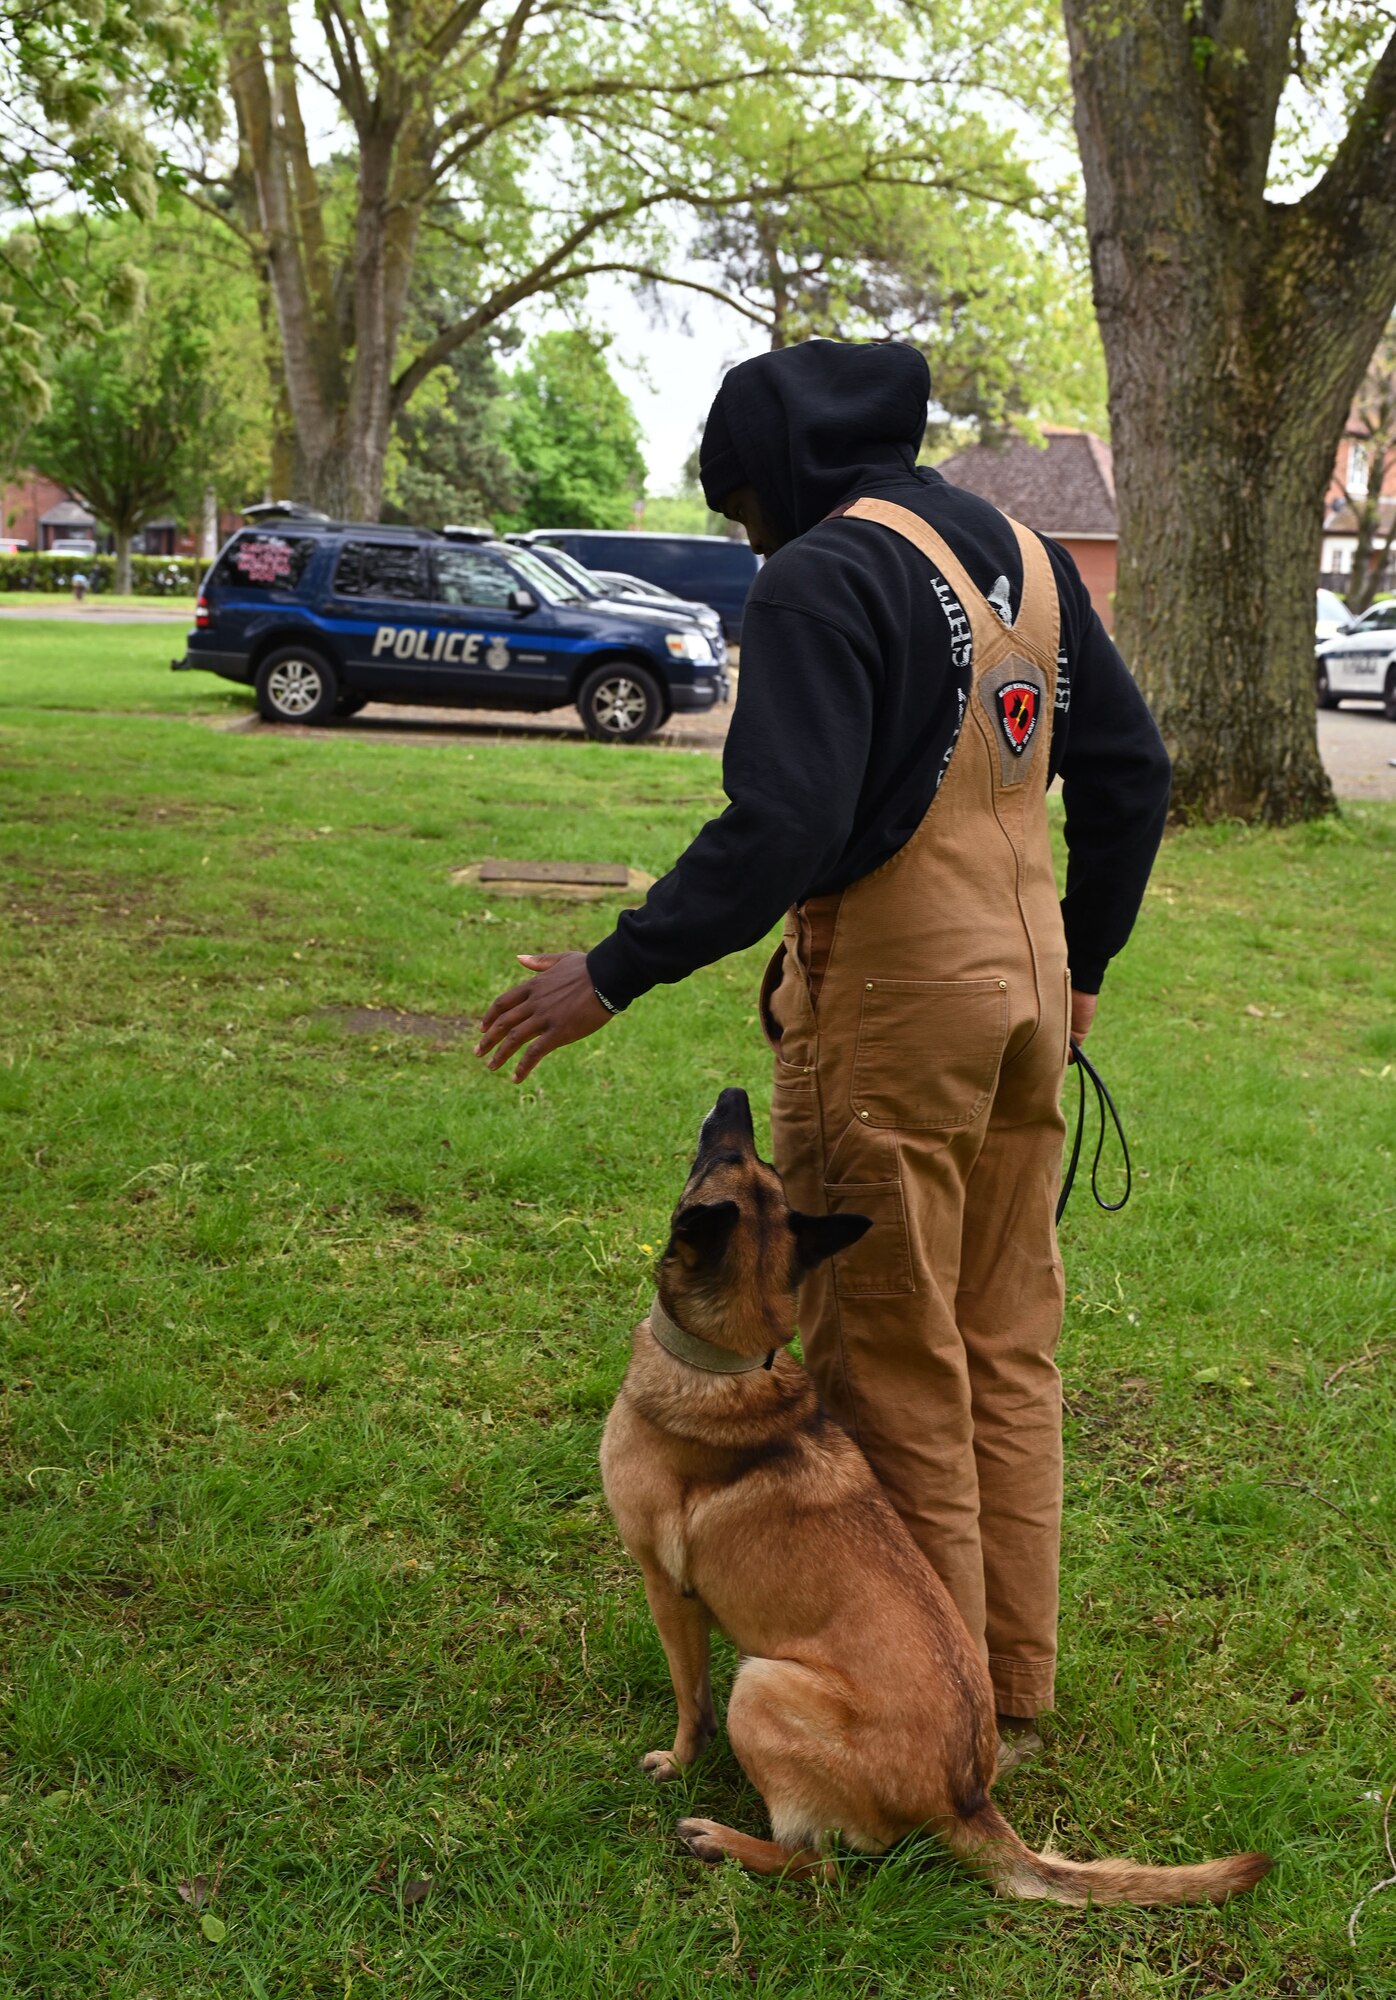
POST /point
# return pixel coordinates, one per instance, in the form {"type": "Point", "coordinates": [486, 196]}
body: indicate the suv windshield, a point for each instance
{"type": "Point", "coordinates": [545, 580]}
{"type": "Point", "coordinates": [586, 581]}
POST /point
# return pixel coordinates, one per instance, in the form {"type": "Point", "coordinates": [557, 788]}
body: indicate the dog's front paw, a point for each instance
{"type": "Point", "coordinates": [661, 1766]}
{"type": "Point", "coordinates": [699, 1837]}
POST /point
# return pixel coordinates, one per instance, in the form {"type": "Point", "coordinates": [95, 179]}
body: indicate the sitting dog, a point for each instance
{"type": "Point", "coordinates": [861, 1706]}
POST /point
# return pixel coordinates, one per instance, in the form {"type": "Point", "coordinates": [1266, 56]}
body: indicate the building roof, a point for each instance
{"type": "Point", "coordinates": [1067, 489]}
{"type": "Point", "coordinates": [67, 514]}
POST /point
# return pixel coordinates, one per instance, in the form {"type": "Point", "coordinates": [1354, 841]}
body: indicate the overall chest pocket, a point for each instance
{"type": "Point", "coordinates": [928, 1051]}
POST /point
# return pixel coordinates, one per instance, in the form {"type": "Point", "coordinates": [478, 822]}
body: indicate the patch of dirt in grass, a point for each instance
{"type": "Point", "coordinates": [1111, 1420]}
{"type": "Point", "coordinates": [62, 898]}
{"type": "Point", "coordinates": [393, 1021]}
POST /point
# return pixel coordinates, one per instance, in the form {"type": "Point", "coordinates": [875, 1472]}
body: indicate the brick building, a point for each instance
{"type": "Point", "coordinates": [36, 510]}
{"type": "Point", "coordinates": [1066, 491]}
{"type": "Point", "coordinates": [1358, 467]}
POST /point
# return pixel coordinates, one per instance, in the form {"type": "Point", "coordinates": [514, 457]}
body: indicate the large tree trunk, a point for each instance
{"type": "Point", "coordinates": [121, 539]}
{"type": "Point", "coordinates": [1236, 333]}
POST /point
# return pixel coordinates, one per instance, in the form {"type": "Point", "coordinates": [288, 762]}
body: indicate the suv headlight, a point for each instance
{"type": "Point", "coordinates": [691, 646]}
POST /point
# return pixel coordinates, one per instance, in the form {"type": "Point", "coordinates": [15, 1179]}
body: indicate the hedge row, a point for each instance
{"type": "Point", "coordinates": [151, 576]}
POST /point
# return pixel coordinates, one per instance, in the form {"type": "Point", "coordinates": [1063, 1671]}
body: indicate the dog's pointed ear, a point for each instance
{"type": "Point", "coordinates": [700, 1232]}
{"type": "Point", "coordinates": [821, 1236]}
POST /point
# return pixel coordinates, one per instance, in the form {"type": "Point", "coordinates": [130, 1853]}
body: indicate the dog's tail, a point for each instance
{"type": "Point", "coordinates": [987, 1843]}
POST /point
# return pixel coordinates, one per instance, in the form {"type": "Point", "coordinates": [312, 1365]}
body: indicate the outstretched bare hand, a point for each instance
{"type": "Point", "coordinates": [557, 1006]}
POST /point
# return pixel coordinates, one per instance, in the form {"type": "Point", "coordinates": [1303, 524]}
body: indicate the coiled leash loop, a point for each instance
{"type": "Point", "coordinates": [1104, 1102]}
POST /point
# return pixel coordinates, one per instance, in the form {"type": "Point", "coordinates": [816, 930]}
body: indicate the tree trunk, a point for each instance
{"type": "Point", "coordinates": [121, 537]}
{"type": "Point", "coordinates": [1236, 332]}
{"type": "Point", "coordinates": [1219, 537]}
{"type": "Point", "coordinates": [208, 526]}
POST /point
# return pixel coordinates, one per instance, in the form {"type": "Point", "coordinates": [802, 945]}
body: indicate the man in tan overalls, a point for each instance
{"type": "Point", "coordinates": [915, 668]}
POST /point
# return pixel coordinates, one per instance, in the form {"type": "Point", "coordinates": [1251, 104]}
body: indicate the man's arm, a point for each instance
{"type": "Point", "coordinates": [792, 768]}
{"type": "Point", "coordinates": [1115, 781]}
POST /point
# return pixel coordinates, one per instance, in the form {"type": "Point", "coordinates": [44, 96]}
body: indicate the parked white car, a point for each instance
{"type": "Point", "coordinates": [1360, 661]}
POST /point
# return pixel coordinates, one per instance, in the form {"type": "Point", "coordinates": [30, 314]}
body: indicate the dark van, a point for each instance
{"type": "Point", "coordinates": [708, 568]}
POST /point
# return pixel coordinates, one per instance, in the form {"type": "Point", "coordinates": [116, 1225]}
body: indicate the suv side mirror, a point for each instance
{"type": "Point", "coordinates": [522, 600]}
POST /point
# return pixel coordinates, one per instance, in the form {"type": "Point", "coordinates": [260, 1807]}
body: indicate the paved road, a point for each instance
{"type": "Point", "coordinates": [97, 613]}
{"type": "Point", "coordinates": [1358, 745]}
{"type": "Point", "coordinates": [1357, 742]}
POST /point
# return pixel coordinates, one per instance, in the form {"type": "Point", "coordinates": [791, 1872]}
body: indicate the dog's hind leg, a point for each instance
{"type": "Point", "coordinates": [788, 1726]}
{"type": "Point", "coordinates": [683, 1624]}
{"type": "Point", "coordinates": [710, 1841]}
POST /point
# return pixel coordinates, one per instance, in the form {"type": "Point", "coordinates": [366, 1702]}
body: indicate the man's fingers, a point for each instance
{"type": "Point", "coordinates": [543, 1046]}
{"type": "Point", "coordinates": [504, 1003]}
{"type": "Point", "coordinates": [514, 1039]}
{"type": "Point", "coordinates": [500, 1020]}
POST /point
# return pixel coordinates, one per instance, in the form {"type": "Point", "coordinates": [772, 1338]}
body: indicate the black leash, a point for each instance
{"type": "Point", "coordinates": [1104, 1102]}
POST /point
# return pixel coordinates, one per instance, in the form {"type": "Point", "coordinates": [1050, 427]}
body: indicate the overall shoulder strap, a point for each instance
{"type": "Point", "coordinates": [1037, 628]}
{"type": "Point", "coordinates": [934, 547]}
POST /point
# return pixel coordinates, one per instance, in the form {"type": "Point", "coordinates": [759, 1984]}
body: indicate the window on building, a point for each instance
{"type": "Point", "coordinates": [1358, 471]}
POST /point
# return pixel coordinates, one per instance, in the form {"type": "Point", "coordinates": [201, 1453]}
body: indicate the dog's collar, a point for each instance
{"type": "Point", "coordinates": [704, 1354]}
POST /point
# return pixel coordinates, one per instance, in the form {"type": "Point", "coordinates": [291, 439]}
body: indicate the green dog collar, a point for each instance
{"type": "Point", "coordinates": [704, 1354]}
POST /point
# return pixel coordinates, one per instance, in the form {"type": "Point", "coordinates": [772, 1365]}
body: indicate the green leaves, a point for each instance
{"type": "Point", "coordinates": [575, 437]}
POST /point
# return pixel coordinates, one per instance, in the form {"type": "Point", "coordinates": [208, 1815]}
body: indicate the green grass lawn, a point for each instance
{"type": "Point", "coordinates": [307, 1587]}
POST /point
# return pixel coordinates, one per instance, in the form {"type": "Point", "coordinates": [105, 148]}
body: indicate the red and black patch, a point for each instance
{"type": "Point", "coordinates": [1018, 703]}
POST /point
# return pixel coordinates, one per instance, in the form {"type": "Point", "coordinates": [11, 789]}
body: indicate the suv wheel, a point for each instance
{"type": "Point", "coordinates": [621, 703]}
{"type": "Point", "coordinates": [1388, 700]}
{"type": "Point", "coordinates": [295, 684]}
{"type": "Point", "coordinates": [1323, 687]}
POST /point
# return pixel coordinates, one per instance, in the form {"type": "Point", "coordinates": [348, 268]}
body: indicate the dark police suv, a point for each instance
{"type": "Point", "coordinates": [322, 616]}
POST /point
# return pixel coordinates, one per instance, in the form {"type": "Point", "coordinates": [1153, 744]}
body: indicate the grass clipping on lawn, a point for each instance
{"type": "Point", "coordinates": [324, 1672]}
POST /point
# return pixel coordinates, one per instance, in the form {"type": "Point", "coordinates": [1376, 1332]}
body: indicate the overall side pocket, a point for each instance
{"type": "Point", "coordinates": [787, 1021]}
{"type": "Point", "coordinates": [863, 1177]}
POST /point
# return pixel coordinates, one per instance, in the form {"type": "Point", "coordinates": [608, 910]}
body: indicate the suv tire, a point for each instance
{"type": "Point", "coordinates": [1323, 688]}
{"type": "Point", "coordinates": [621, 702]}
{"type": "Point", "coordinates": [296, 684]}
{"type": "Point", "coordinates": [1388, 700]}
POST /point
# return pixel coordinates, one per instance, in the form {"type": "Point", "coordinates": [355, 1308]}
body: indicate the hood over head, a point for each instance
{"type": "Point", "coordinates": [808, 425]}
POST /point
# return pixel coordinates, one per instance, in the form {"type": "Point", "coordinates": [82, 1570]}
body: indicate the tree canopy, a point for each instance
{"type": "Point", "coordinates": [143, 417]}
{"type": "Point", "coordinates": [79, 87]}
{"type": "Point", "coordinates": [574, 437]}
{"type": "Point", "coordinates": [547, 143]}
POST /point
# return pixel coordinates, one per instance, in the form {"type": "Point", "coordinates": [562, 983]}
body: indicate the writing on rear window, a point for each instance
{"type": "Point", "coordinates": [266, 561]}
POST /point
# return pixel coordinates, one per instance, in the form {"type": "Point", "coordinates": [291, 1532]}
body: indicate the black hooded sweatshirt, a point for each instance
{"type": "Point", "coordinates": [855, 669]}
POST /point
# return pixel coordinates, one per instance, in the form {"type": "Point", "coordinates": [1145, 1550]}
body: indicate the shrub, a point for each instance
{"type": "Point", "coordinates": [151, 576]}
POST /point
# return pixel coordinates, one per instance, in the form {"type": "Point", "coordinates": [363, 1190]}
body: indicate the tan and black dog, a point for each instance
{"type": "Point", "coordinates": [861, 1706]}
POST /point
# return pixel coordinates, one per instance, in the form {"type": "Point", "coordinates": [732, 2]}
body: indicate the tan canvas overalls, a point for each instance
{"type": "Point", "coordinates": [920, 1021]}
